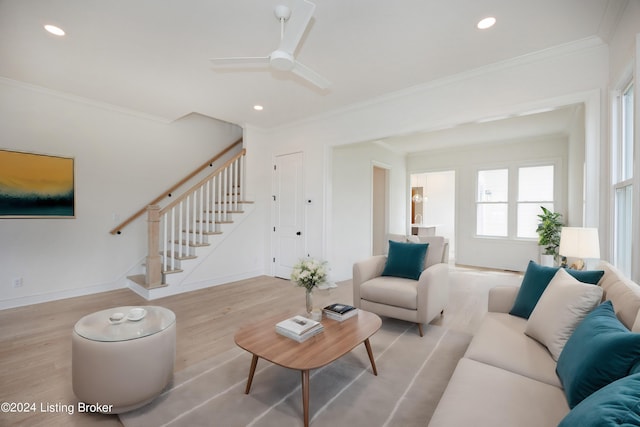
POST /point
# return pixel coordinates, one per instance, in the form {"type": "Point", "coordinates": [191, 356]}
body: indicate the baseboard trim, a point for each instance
{"type": "Point", "coordinates": [152, 294]}
{"type": "Point", "coordinates": [69, 293]}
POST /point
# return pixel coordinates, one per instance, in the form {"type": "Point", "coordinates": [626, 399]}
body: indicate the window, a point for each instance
{"type": "Point", "coordinates": [495, 207]}
{"type": "Point", "coordinates": [492, 202]}
{"type": "Point", "coordinates": [535, 189]}
{"type": "Point", "coordinates": [623, 181]}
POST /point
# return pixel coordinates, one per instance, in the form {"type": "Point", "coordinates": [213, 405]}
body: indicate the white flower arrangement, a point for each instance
{"type": "Point", "coordinates": [309, 273]}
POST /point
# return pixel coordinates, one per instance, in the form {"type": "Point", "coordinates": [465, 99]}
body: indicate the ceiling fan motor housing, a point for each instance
{"type": "Point", "coordinates": [281, 60]}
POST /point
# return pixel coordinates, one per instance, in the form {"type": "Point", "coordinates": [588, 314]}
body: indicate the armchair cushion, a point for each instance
{"type": "Point", "coordinates": [405, 260]}
{"type": "Point", "coordinates": [394, 291]}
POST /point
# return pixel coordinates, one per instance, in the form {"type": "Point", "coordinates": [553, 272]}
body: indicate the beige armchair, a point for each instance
{"type": "Point", "coordinates": [418, 301]}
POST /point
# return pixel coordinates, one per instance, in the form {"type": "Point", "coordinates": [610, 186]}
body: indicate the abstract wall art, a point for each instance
{"type": "Point", "coordinates": [36, 185]}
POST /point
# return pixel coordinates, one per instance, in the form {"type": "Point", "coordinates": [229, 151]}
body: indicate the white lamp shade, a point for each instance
{"type": "Point", "coordinates": [579, 242]}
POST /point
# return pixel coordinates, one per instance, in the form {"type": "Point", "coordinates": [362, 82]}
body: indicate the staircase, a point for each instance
{"type": "Point", "coordinates": [184, 232]}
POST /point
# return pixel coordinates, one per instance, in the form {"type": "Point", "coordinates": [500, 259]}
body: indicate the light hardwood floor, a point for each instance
{"type": "Point", "coordinates": [35, 341]}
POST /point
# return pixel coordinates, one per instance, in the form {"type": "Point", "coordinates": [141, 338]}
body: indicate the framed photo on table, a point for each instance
{"type": "Point", "coordinates": [36, 185]}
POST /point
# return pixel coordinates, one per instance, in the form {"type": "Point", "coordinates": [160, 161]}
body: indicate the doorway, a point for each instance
{"type": "Point", "coordinates": [433, 204]}
{"type": "Point", "coordinates": [379, 209]}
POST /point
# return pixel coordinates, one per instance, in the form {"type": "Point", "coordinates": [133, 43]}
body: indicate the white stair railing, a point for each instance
{"type": "Point", "coordinates": [177, 229]}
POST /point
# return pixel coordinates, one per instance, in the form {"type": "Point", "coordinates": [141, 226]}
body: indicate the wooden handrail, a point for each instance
{"type": "Point", "coordinates": [199, 184]}
{"type": "Point", "coordinates": [157, 200]}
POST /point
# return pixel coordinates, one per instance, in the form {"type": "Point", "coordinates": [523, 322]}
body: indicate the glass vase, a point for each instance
{"type": "Point", "coordinates": [309, 301]}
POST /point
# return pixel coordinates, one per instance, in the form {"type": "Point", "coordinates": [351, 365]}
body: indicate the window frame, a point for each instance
{"type": "Point", "coordinates": [620, 178]}
{"type": "Point", "coordinates": [513, 197]}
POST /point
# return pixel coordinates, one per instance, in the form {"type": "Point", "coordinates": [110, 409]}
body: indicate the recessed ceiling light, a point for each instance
{"type": "Point", "coordinates": [486, 23]}
{"type": "Point", "coordinates": [54, 30]}
{"type": "Point", "coordinates": [258, 107]}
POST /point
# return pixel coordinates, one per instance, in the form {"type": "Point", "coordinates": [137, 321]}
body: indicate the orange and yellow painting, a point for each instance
{"type": "Point", "coordinates": [35, 185]}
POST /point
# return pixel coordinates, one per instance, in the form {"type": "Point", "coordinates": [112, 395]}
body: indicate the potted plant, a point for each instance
{"type": "Point", "coordinates": [549, 235]}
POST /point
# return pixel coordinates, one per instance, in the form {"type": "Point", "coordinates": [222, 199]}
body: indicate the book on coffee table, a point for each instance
{"type": "Point", "coordinates": [299, 328]}
{"type": "Point", "coordinates": [340, 312]}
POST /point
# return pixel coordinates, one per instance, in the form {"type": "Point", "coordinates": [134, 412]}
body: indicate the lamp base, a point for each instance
{"type": "Point", "coordinates": [578, 265]}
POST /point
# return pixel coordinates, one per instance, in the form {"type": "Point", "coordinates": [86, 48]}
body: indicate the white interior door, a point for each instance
{"type": "Point", "coordinates": [288, 228]}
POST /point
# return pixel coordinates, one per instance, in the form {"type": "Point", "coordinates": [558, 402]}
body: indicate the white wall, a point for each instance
{"type": "Point", "coordinates": [351, 216]}
{"type": "Point", "coordinates": [122, 161]}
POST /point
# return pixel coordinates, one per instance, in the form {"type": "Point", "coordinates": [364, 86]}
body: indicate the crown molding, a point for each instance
{"type": "Point", "coordinates": [82, 100]}
{"type": "Point", "coordinates": [585, 44]}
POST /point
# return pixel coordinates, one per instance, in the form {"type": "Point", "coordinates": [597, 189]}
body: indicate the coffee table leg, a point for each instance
{"type": "Point", "coordinates": [305, 396]}
{"type": "Point", "coordinates": [252, 370]}
{"type": "Point", "coordinates": [370, 353]}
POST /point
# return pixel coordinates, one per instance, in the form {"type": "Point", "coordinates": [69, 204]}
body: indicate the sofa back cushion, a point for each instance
{"type": "Point", "coordinates": [436, 248]}
{"type": "Point", "coordinates": [623, 293]}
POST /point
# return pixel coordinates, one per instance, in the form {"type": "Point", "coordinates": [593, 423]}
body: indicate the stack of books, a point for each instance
{"type": "Point", "coordinates": [299, 328]}
{"type": "Point", "coordinates": [340, 312]}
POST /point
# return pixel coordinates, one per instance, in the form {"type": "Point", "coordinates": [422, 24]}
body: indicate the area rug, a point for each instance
{"type": "Point", "coordinates": [412, 375]}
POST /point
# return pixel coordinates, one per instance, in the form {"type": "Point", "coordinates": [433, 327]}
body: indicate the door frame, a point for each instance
{"type": "Point", "coordinates": [387, 170]}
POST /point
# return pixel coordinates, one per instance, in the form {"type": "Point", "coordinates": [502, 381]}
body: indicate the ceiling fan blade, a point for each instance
{"type": "Point", "coordinates": [301, 14]}
{"type": "Point", "coordinates": [242, 60]}
{"type": "Point", "coordinates": [310, 75]}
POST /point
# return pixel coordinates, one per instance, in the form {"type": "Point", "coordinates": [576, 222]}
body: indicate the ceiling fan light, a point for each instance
{"type": "Point", "coordinates": [487, 22]}
{"type": "Point", "coordinates": [57, 31]}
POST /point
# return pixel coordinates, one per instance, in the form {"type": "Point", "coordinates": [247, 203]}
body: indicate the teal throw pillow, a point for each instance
{"type": "Point", "coordinates": [617, 404]}
{"type": "Point", "coordinates": [405, 260]}
{"type": "Point", "coordinates": [535, 281]}
{"type": "Point", "coordinates": [600, 351]}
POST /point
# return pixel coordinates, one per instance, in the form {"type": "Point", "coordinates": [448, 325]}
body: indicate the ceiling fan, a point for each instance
{"type": "Point", "coordinates": [283, 57]}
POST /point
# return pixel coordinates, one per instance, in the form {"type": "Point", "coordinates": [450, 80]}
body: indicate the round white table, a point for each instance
{"type": "Point", "coordinates": [123, 364]}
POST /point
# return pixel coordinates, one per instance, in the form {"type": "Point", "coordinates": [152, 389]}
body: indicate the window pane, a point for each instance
{"type": "Point", "coordinates": [492, 219]}
{"type": "Point", "coordinates": [627, 135]}
{"type": "Point", "coordinates": [622, 250]}
{"type": "Point", "coordinates": [493, 185]}
{"type": "Point", "coordinates": [528, 218]}
{"type": "Point", "coordinates": [535, 184]}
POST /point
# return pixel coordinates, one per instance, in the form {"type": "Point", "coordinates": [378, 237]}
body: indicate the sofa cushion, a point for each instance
{"type": "Point", "coordinates": [623, 293]}
{"type": "Point", "coordinates": [500, 341]}
{"type": "Point", "coordinates": [600, 351]}
{"type": "Point", "coordinates": [394, 291]}
{"type": "Point", "coordinates": [481, 395]}
{"type": "Point", "coordinates": [613, 405]}
{"type": "Point", "coordinates": [405, 260]}
{"type": "Point", "coordinates": [535, 281]}
{"type": "Point", "coordinates": [563, 304]}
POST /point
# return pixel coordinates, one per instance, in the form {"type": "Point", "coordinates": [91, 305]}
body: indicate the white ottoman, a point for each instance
{"type": "Point", "coordinates": [123, 364]}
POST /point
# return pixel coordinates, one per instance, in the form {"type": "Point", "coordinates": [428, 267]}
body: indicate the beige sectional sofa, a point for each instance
{"type": "Point", "coordinates": [507, 378]}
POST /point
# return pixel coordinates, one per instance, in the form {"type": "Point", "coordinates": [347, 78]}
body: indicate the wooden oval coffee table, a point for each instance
{"type": "Point", "coordinates": [337, 339]}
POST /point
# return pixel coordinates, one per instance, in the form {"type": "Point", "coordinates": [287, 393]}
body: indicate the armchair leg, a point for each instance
{"type": "Point", "coordinates": [420, 329]}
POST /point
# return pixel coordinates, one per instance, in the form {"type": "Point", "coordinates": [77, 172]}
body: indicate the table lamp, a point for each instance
{"type": "Point", "coordinates": [580, 243]}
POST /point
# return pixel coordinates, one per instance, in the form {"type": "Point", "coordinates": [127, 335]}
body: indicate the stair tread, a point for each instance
{"type": "Point", "coordinates": [170, 254]}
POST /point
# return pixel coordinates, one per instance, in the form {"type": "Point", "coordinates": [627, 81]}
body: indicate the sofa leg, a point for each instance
{"type": "Point", "coordinates": [420, 329]}
{"type": "Point", "coordinates": [442, 312]}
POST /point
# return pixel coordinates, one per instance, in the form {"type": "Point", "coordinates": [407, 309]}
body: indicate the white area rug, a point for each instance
{"type": "Point", "coordinates": [412, 375]}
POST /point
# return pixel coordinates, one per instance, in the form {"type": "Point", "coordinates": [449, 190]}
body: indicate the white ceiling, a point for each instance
{"type": "Point", "coordinates": [152, 56]}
